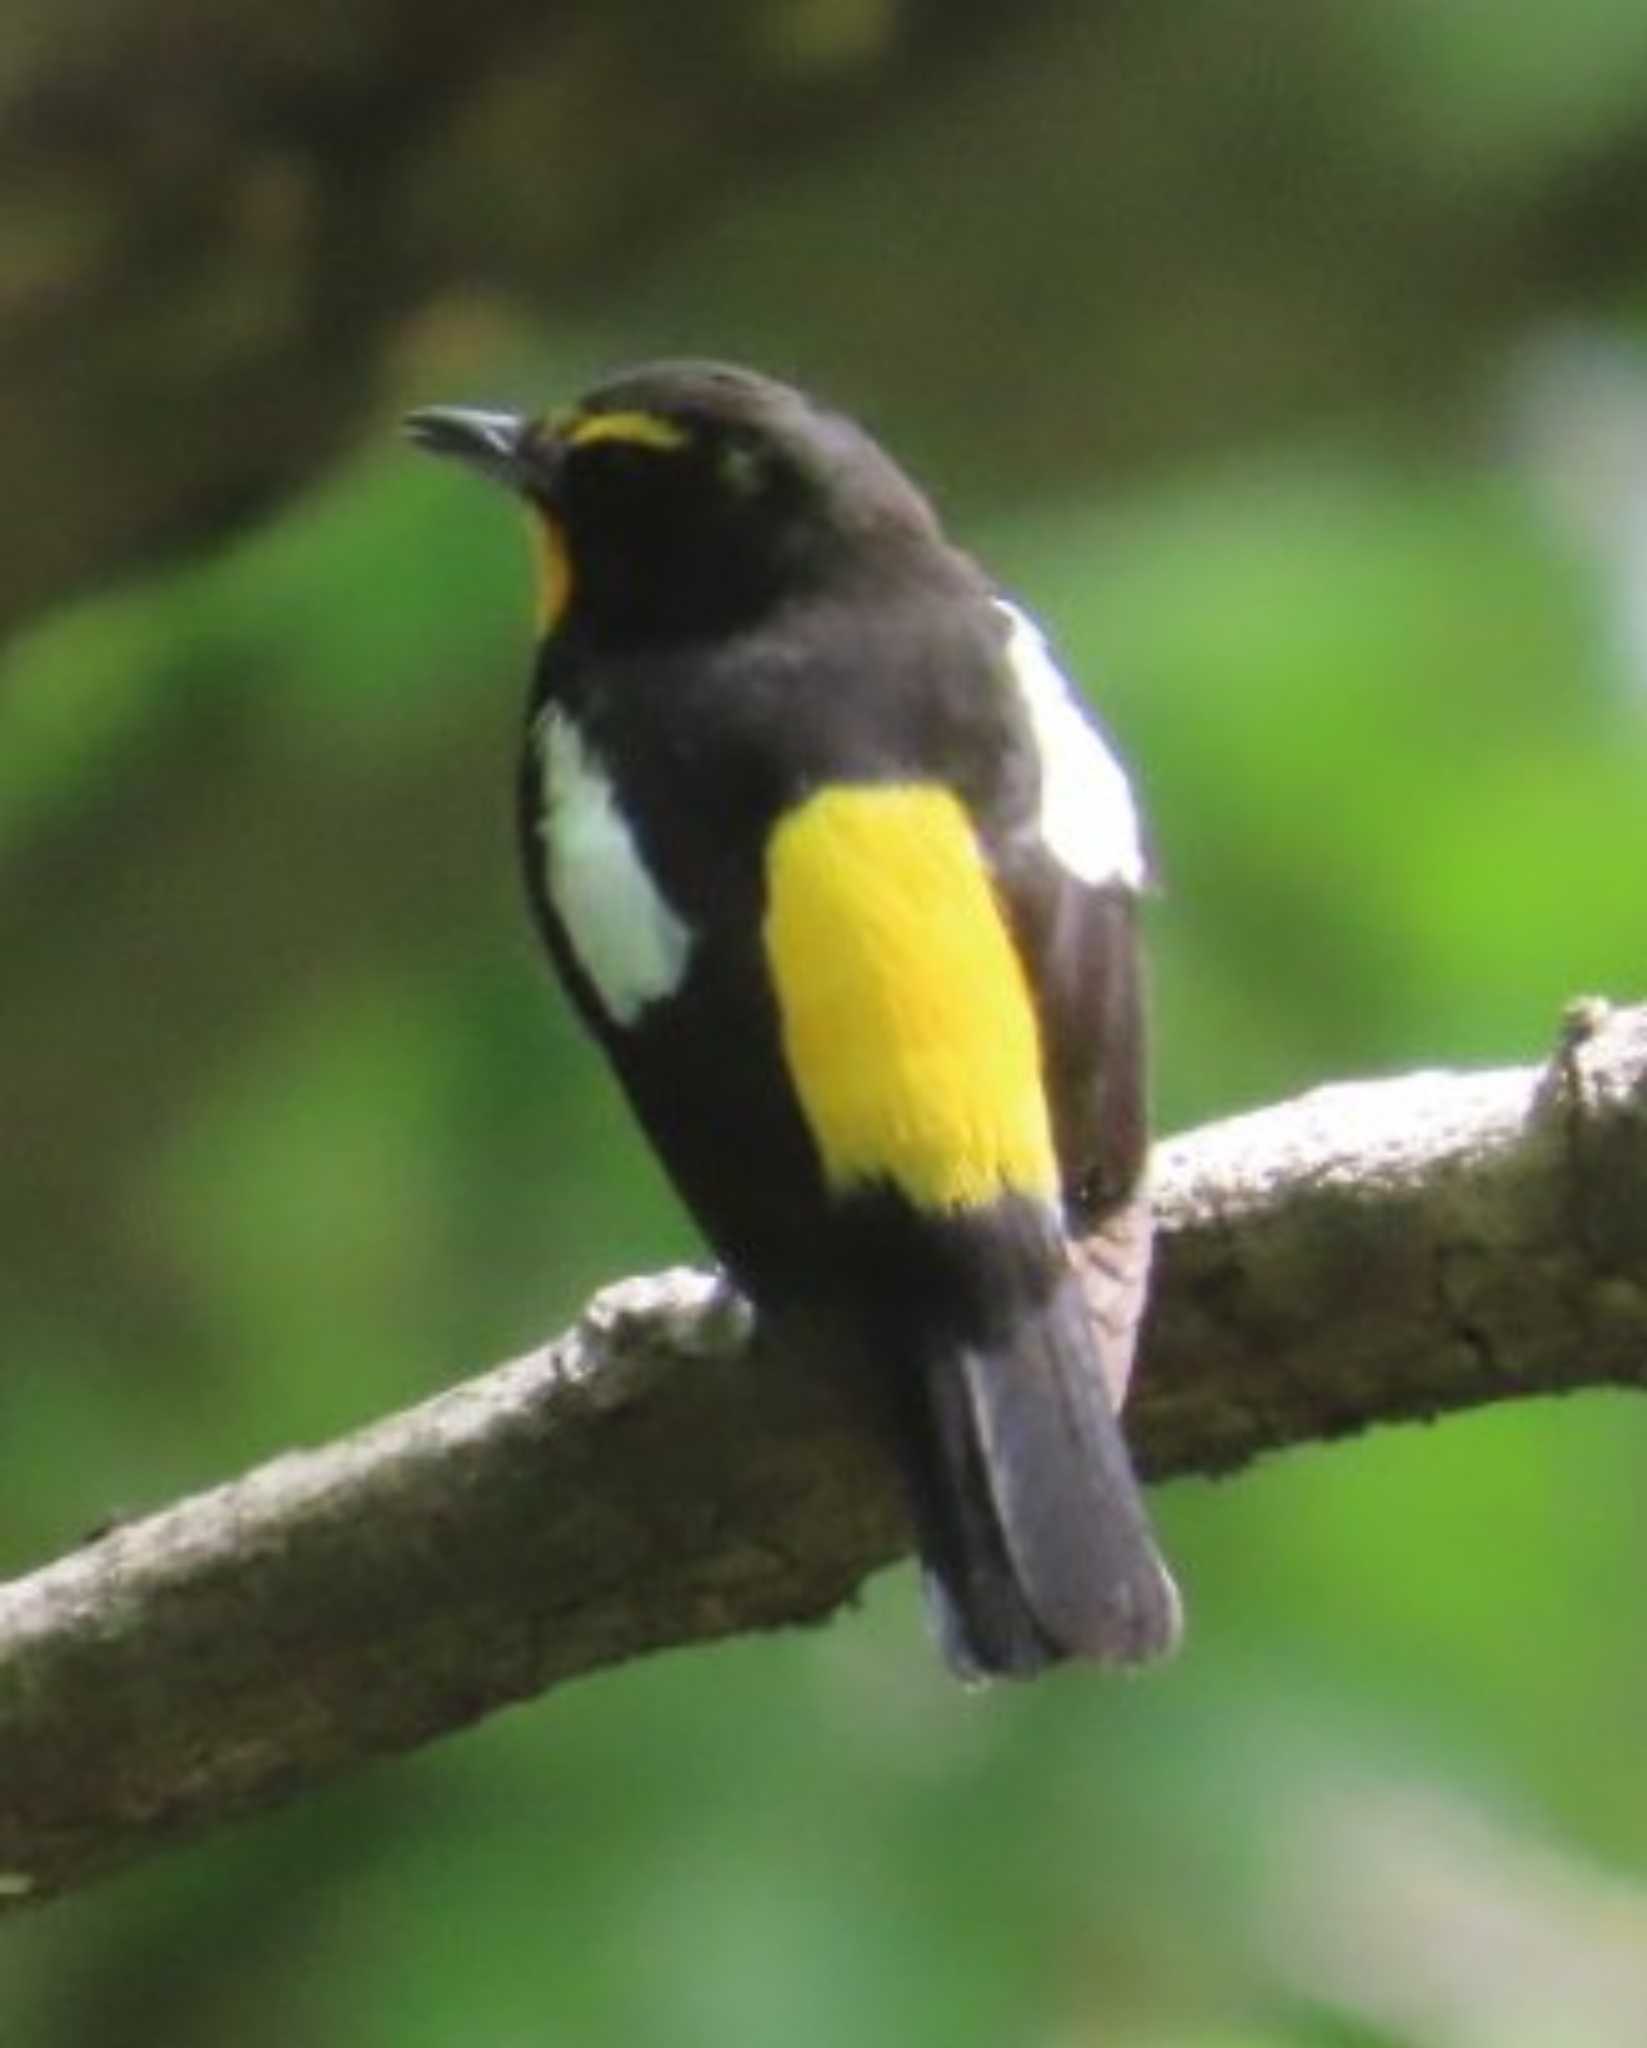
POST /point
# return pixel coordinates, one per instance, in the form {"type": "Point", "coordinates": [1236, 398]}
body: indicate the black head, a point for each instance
{"type": "Point", "coordinates": [687, 498]}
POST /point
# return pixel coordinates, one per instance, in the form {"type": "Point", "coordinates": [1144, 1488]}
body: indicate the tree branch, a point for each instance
{"type": "Point", "coordinates": [1368, 1252]}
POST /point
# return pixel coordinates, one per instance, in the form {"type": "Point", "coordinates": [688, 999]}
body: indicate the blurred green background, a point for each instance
{"type": "Point", "coordinates": [1291, 361]}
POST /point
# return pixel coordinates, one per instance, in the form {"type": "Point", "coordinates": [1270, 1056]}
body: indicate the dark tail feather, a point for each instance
{"type": "Point", "coordinates": [1034, 1535]}
{"type": "Point", "coordinates": [983, 1624]}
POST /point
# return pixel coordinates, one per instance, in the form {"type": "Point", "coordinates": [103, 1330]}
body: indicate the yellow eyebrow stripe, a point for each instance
{"type": "Point", "coordinates": [907, 1021]}
{"type": "Point", "coordinates": [638, 429]}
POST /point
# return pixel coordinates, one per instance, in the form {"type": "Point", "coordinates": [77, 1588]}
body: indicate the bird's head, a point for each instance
{"type": "Point", "coordinates": [686, 498]}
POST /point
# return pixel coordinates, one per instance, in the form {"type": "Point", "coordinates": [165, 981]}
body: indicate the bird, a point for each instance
{"type": "Point", "coordinates": [843, 877]}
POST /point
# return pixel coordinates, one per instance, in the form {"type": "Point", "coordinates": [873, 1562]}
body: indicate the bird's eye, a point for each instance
{"type": "Point", "coordinates": [619, 460]}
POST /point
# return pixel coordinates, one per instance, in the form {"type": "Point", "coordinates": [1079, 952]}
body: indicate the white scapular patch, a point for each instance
{"type": "Point", "coordinates": [627, 939]}
{"type": "Point", "coordinates": [1088, 819]}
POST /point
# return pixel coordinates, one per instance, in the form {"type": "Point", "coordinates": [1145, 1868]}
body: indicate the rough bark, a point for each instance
{"type": "Point", "coordinates": [1368, 1252]}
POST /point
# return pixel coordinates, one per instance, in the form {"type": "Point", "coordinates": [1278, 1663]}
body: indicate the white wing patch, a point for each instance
{"type": "Point", "coordinates": [1088, 819]}
{"type": "Point", "coordinates": [627, 939]}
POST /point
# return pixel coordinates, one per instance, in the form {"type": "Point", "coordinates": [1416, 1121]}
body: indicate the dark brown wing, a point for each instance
{"type": "Point", "coordinates": [1071, 881]}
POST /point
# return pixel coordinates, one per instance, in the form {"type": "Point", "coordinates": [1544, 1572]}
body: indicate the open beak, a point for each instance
{"type": "Point", "coordinates": [495, 443]}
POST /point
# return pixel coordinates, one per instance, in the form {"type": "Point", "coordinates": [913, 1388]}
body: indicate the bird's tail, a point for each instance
{"type": "Point", "coordinates": [1034, 1537]}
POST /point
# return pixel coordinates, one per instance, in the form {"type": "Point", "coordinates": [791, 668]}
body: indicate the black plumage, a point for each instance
{"type": "Point", "coordinates": [753, 605]}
